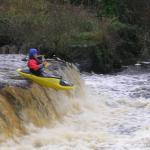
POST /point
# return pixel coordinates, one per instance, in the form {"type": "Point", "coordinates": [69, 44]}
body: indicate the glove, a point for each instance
{"type": "Point", "coordinates": [46, 64]}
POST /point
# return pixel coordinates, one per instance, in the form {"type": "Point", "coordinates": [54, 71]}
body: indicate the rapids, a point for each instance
{"type": "Point", "coordinates": [105, 112]}
{"type": "Point", "coordinates": [23, 102]}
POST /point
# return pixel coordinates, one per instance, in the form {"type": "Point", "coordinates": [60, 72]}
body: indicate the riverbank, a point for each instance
{"type": "Point", "coordinates": [98, 36]}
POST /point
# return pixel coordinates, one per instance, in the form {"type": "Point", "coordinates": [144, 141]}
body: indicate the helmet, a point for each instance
{"type": "Point", "coordinates": [32, 52]}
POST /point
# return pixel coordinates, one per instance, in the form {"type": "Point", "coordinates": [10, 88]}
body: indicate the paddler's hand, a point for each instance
{"type": "Point", "coordinates": [46, 64]}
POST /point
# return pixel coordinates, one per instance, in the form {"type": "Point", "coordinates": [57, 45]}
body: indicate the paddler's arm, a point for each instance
{"type": "Point", "coordinates": [38, 60]}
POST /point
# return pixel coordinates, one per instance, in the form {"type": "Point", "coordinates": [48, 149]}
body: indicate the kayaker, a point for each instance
{"type": "Point", "coordinates": [35, 65]}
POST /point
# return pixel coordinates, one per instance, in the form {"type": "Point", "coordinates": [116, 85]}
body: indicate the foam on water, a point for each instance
{"type": "Point", "coordinates": [114, 114]}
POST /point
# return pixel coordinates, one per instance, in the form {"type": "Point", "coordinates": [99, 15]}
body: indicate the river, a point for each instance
{"type": "Point", "coordinates": [114, 114]}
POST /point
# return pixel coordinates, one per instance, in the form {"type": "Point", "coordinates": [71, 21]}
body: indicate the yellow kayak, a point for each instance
{"type": "Point", "coordinates": [51, 82]}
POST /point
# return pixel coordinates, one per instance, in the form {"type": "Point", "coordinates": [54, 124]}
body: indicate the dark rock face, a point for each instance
{"type": "Point", "coordinates": [83, 57]}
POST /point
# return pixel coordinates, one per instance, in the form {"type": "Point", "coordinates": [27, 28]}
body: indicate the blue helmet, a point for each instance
{"type": "Point", "coordinates": [32, 52]}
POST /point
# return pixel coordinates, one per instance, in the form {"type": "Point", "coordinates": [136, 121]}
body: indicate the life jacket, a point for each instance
{"type": "Point", "coordinates": [33, 64]}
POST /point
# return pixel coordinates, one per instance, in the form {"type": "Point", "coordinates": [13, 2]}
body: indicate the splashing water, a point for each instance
{"type": "Point", "coordinates": [109, 112]}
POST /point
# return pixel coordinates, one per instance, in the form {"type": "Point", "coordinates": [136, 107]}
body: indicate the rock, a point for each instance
{"type": "Point", "coordinates": [83, 56]}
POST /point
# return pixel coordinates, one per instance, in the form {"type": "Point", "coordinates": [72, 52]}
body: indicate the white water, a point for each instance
{"type": "Point", "coordinates": [114, 115]}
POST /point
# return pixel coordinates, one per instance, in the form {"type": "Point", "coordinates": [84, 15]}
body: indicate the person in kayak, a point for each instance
{"type": "Point", "coordinates": [35, 65]}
